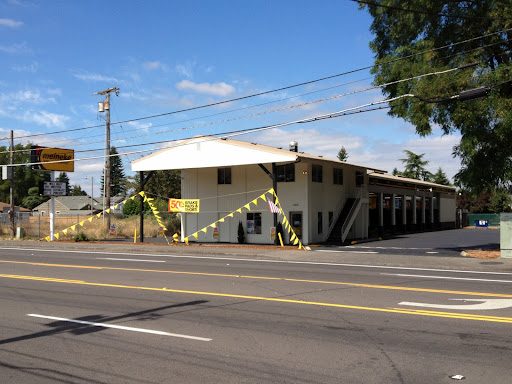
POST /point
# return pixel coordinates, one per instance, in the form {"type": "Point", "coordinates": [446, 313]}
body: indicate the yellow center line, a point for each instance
{"type": "Point", "coordinates": [495, 319]}
{"type": "Point", "coordinates": [374, 286]}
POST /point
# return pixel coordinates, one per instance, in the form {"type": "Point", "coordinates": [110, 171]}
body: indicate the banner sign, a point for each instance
{"type": "Point", "coordinates": [46, 157]}
{"type": "Point", "coordinates": [184, 205]}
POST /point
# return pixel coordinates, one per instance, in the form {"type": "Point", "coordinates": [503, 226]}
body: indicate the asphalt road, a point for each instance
{"type": "Point", "coordinates": [75, 313]}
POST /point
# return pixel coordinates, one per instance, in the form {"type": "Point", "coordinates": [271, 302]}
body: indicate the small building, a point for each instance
{"type": "Point", "coordinates": [324, 200]}
{"type": "Point", "coordinates": [69, 206]}
{"type": "Point", "coordinates": [21, 213]}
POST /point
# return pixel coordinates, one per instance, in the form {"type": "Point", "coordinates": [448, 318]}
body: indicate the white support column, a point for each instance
{"type": "Point", "coordinates": [52, 209]}
{"type": "Point", "coordinates": [432, 211]}
{"type": "Point", "coordinates": [393, 209]}
{"type": "Point", "coordinates": [404, 211]}
{"type": "Point", "coordinates": [423, 210]}
{"type": "Point", "coordinates": [381, 209]}
{"type": "Point", "coordinates": [414, 214]}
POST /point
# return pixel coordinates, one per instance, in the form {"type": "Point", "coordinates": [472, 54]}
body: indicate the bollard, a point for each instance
{"type": "Point", "coordinates": [280, 238]}
{"type": "Point", "coordinates": [175, 238]}
{"type": "Point", "coordinates": [135, 236]}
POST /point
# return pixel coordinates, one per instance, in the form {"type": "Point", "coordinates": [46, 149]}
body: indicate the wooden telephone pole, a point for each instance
{"type": "Point", "coordinates": [105, 106]}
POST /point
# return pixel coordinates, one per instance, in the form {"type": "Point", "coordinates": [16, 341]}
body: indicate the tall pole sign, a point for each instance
{"type": "Point", "coordinates": [52, 159]}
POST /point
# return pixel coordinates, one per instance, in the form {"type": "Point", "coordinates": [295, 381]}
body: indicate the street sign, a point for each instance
{"type": "Point", "coordinates": [54, 188]}
{"type": "Point", "coordinates": [50, 159]}
{"type": "Point", "coordinates": [7, 172]}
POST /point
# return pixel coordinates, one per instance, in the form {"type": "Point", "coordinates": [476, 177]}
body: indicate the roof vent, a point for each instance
{"type": "Point", "coordinates": [294, 146]}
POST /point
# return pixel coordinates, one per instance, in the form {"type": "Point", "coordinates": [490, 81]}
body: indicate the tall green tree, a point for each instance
{"type": "Point", "coordinates": [342, 154]}
{"type": "Point", "coordinates": [415, 166]}
{"type": "Point", "coordinates": [163, 184]}
{"type": "Point", "coordinates": [24, 176]}
{"type": "Point", "coordinates": [117, 176]}
{"type": "Point", "coordinates": [33, 199]}
{"type": "Point", "coordinates": [419, 37]}
{"type": "Point", "coordinates": [440, 178]}
{"type": "Point", "coordinates": [76, 190]}
{"type": "Point", "coordinates": [63, 177]}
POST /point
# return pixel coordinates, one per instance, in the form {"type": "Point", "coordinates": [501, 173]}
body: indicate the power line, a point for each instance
{"type": "Point", "coordinates": [216, 136]}
{"type": "Point", "coordinates": [279, 109]}
{"type": "Point", "coordinates": [287, 87]}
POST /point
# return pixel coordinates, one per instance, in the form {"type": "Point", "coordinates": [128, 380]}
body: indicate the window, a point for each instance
{"type": "Point", "coordinates": [254, 223]}
{"type": "Point", "coordinates": [286, 172]}
{"type": "Point", "coordinates": [359, 179]}
{"type": "Point", "coordinates": [224, 176]}
{"type": "Point", "coordinates": [317, 173]}
{"type": "Point", "coordinates": [320, 224]}
{"type": "Point", "coordinates": [337, 176]}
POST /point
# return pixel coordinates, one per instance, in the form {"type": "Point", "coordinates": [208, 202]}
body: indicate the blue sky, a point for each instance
{"type": "Point", "coordinates": [166, 56]}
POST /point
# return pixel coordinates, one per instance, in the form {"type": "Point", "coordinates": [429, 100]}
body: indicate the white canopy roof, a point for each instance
{"type": "Point", "coordinates": [209, 151]}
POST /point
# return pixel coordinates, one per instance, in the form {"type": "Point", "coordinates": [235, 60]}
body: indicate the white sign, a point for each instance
{"type": "Point", "coordinates": [113, 230]}
{"type": "Point", "coordinates": [54, 188]}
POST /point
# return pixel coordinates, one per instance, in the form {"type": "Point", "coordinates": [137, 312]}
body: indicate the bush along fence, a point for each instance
{"type": "Point", "coordinates": [76, 226]}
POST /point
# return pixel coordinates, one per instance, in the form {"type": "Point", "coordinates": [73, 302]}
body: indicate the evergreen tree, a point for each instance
{"type": "Point", "coordinates": [24, 176]}
{"type": "Point", "coordinates": [77, 190]}
{"type": "Point", "coordinates": [415, 166]}
{"type": "Point", "coordinates": [117, 176]}
{"type": "Point", "coordinates": [342, 154]}
{"type": "Point", "coordinates": [33, 199]}
{"type": "Point", "coordinates": [63, 177]}
{"type": "Point", "coordinates": [165, 184]}
{"type": "Point", "coordinates": [440, 178]}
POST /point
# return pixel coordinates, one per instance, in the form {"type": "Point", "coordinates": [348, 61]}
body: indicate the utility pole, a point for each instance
{"type": "Point", "coordinates": [12, 218]}
{"type": "Point", "coordinates": [106, 182]}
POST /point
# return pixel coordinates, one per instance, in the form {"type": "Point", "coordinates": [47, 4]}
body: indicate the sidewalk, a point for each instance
{"type": "Point", "coordinates": [271, 253]}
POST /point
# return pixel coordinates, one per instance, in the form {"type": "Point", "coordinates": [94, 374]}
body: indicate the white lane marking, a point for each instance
{"type": "Point", "coordinates": [328, 250]}
{"type": "Point", "coordinates": [105, 325]}
{"type": "Point", "coordinates": [447, 277]}
{"type": "Point", "coordinates": [257, 260]}
{"type": "Point", "coordinates": [432, 252]}
{"type": "Point", "coordinates": [484, 304]}
{"type": "Point", "coordinates": [147, 261]}
{"type": "Point", "coordinates": [368, 247]}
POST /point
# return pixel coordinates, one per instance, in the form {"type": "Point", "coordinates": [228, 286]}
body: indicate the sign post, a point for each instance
{"type": "Point", "coordinates": [52, 208]}
{"type": "Point", "coordinates": [52, 159]}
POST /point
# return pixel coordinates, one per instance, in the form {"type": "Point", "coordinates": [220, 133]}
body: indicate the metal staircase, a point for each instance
{"type": "Point", "coordinates": [345, 220]}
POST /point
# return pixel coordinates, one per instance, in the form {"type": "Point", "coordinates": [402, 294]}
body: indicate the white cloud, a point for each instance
{"type": "Point", "coordinates": [381, 154]}
{"type": "Point", "coordinates": [95, 77]}
{"type": "Point", "coordinates": [10, 23]}
{"type": "Point", "coordinates": [140, 126]}
{"type": "Point", "coordinates": [217, 89]}
{"type": "Point", "coordinates": [20, 98]}
{"type": "Point", "coordinates": [154, 65]}
{"type": "Point", "coordinates": [26, 68]}
{"type": "Point", "coordinates": [186, 69]}
{"type": "Point", "coordinates": [15, 49]}
{"type": "Point", "coordinates": [48, 119]}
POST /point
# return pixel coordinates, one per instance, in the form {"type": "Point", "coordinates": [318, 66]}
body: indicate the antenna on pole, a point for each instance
{"type": "Point", "coordinates": [105, 106]}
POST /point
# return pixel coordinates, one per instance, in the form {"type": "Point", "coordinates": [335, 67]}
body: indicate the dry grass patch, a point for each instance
{"type": "Point", "coordinates": [484, 254]}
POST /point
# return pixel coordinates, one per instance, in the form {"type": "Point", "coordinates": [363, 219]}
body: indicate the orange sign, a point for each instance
{"type": "Point", "coordinates": [52, 159]}
{"type": "Point", "coordinates": [184, 205]}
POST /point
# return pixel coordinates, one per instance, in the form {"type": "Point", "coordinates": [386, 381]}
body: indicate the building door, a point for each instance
{"type": "Point", "coordinates": [224, 231]}
{"type": "Point", "coordinates": [296, 223]}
